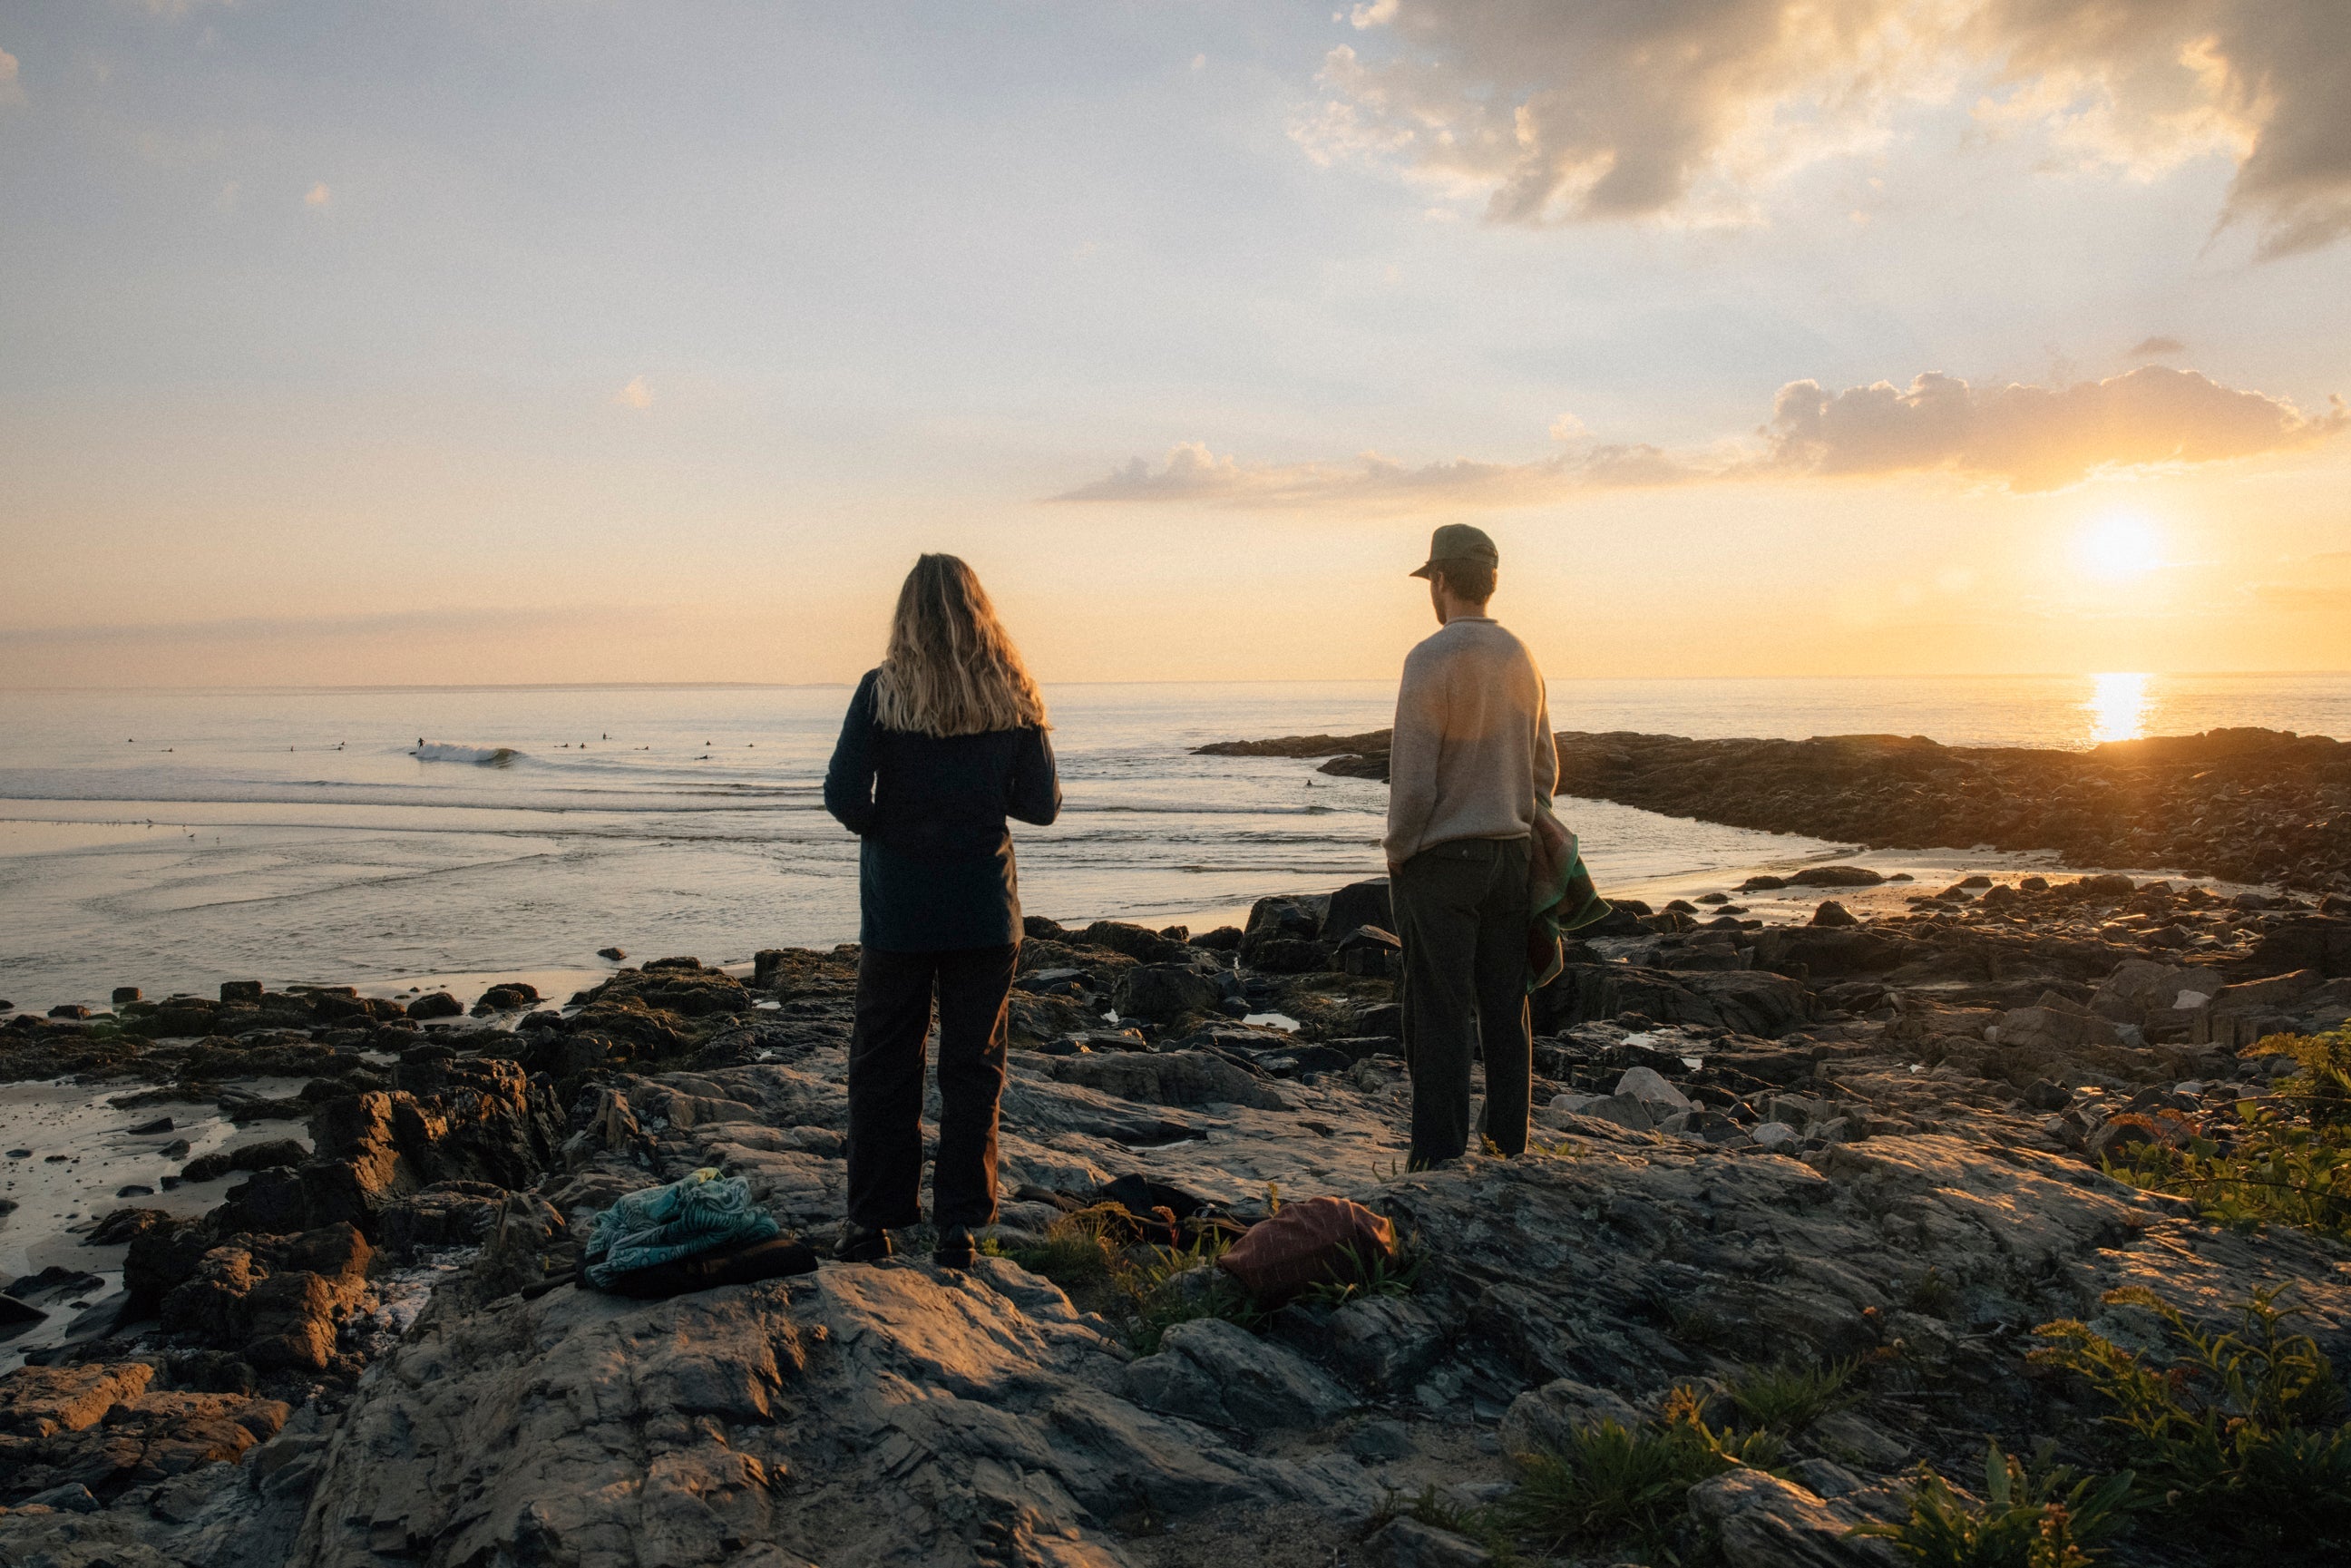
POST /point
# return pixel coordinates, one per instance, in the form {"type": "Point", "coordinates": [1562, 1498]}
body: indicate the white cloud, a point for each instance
{"type": "Point", "coordinates": [11, 91]}
{"type": "Point", "coordinates": [2027, 438]}
{"type": "Point", "coordinates": [1684, 107]}
{"type": "Point", "coordinates": [317, 196]}
{"type": "Point", "coordinates": [636, 394]}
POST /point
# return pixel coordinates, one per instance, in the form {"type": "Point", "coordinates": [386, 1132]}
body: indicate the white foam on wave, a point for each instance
{"type": "Point", "coordinates": [481, 756]}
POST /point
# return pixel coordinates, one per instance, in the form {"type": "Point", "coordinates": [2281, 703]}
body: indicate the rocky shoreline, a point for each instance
{"type": "Point", "coordinates": [2243, 805]}
{"type": "Point", "coordinates": [1876, 1138]}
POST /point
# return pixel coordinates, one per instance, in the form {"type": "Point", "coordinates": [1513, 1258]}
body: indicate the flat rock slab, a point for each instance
{"type": "Point", "coordinates": [859, 1415]}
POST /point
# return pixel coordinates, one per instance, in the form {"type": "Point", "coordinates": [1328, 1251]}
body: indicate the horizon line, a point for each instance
{"type": "Point", "coordinates": [258, 688]}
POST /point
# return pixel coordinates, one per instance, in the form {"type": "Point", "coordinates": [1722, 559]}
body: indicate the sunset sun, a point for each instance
{"type": "Point", "coordinates": [2118, 546]}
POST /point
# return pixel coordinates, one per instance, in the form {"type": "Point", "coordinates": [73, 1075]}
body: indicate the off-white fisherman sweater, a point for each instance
{"type": "Point", "coordinates": [1473, 747]}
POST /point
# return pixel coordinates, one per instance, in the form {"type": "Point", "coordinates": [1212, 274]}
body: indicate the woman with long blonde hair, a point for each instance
{"type": "Point", "coordinates": [943, 742]}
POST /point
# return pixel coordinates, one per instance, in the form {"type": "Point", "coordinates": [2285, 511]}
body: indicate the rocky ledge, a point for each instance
{"type": "Point", "coordinates": [1872, 1145]}
{"type": "Point", "coordinates": [2246, 805]}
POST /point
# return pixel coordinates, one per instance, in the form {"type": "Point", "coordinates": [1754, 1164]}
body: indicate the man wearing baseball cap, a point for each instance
{"type": "Point", "coordinates": [1472, 756]}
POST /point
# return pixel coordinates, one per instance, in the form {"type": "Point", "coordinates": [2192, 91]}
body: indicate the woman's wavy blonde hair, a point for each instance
{"type": "Point", "coordinates": [951, 668]}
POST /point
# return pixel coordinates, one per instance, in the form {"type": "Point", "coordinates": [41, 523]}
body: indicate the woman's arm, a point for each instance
{"type": "Point", "coordinates": [849, 779]}
{"type": "Point", "coordinates": [1035, 792]}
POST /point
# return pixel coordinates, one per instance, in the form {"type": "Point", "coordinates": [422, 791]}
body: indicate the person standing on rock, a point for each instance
{"type": "Point", "coordinates": [1472, 756]}
{"type": "Point", "coordinates": [943, 742]}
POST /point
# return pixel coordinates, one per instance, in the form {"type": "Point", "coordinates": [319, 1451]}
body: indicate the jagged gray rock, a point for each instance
{"type": "Point", "coordinates": [1210, 1370]}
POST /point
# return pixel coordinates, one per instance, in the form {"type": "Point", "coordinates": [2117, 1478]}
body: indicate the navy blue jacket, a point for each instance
{"type": "Point", "coordinates": [936, 871]}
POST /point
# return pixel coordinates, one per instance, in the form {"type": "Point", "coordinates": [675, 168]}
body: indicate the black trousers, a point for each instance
{"type": "Point", "coordinates": [1461, 910]}
{"type": "Point", "coordinates": [886, 1084]}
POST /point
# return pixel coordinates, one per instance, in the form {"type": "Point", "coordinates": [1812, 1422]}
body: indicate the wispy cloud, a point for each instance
{"type": "Point", "coordinates": [636, 394]}
{"type": "Point", "coordinates": [11, 89]}
{"type": "Point", "coordinates": [2157, 348]}
{"type": "Point", "coordinates": [1560, 112]}
{"type": "Point", "coordinates": [1193, 472]}
{"type": "Point", "coordinates": [317, 196]}
{"type": "Point", "coordinates": [2027, 438]}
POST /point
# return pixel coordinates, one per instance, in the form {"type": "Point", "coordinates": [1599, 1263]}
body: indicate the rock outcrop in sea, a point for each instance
{"type": "Point", "coordinates": [1875, 1142]}
{"type": "Point", "coordinates": [2245, 805]}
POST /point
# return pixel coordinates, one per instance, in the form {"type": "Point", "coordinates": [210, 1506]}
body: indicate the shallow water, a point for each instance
{"type": "Point", "coordinates": [172, 840]}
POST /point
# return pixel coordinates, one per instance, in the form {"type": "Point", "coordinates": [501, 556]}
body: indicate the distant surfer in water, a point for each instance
{"type": "Point", "coordinates": [943, 742]}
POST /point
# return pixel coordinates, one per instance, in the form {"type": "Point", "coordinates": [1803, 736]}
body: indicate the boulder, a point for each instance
{"type": "Point", "coordinates": [1160, 992]}
{"type": "Point", "coordinates": [1835, 876]}
{"type": "Point", "coordinates": [276, 1301]}
{"type": "Point", "coordinates": [1651, 1089]}
{"type": "Point", "coordinates": [2044, 1028]}
{"type": "Point", "coordinates": [1387, 1342]}
{"type": "Point", "coordinates": [1406, 1542]}
{"type": "Point", "coordinates": [1142, 945]}
{"type": "Point", "coordinates": [2271, 994]}
{"type": "Point", "coordinates": [1358, 903]}
{"type": "Point", "coordinates": [1213, 1371]}
{"type": "Point", "coordinates": [1170, 1078]}
{"type": "Point", "coordinates": [1543, 1419]}
{"type": "Point", "coordinates": [1747, 1001]}
{"type": "Point", "coordinates": [1833, 914]}
{"type": "Point", "coordinates": [436, 1005]}
{"type": "Point", "coordinates": [1822, 952]}
{"type": "Point", "coordinates": [1764, 1522]}
{"type": "Point", "coordinates": [2140, 986]}
{"type": "Point", "coordinates": [1295, 918]}
{"type": "Point", "coordinates": [250, 1157]}
{"type": "Point", "coordinates": [39, 1401]}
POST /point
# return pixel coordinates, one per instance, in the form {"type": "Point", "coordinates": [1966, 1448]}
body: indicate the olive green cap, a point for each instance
{"type": "Point", "coordinates": [1459, 542]}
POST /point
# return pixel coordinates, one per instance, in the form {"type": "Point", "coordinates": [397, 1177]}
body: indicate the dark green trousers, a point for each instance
{"type": "Point", "coordinates": [1461, 910]}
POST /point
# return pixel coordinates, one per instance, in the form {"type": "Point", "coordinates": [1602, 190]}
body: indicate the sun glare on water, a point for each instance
{"type": "Point", "coordinates": [2117, 547]}
{"type": "Point", "coordinates": [2117, 706]}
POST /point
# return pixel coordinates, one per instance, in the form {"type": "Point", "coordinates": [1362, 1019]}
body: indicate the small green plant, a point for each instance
{"type": "Point", "coordinates": [1788, 1397]}
{"type": "Point", "coordinates": [2237, 1438]}
{"type": "Point", "coordinates": [1931, 1294]}
{"type": "Point", "coordinates": [2043, 1516]}
{"type": "Point", "coordinates": [1382, 1274]}
{"type": "Point", "coordinates": [1611, 1481]}
{"type": "Point", "coordinates": [1171, 1289]}
{"type": "Point", "coordinates": [2291, 1163]}
{"type": "Point", "coordinates": [2323, 1086]}
{"type": "Point", "coordinates": [1080, 1249]}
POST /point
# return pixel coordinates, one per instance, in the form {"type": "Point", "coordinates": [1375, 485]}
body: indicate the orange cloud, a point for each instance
{"type": "Point", "coordinates": [2027, 438]}
{"type": "Point", "coordinates": [2034, 438]}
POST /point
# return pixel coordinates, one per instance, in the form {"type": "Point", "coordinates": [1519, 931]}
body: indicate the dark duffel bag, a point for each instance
{"type": "Point", "coordinates": [772, 1259]}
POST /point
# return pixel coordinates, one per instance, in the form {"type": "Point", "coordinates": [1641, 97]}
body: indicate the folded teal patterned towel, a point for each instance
{"type": "Point", "coordinates": [663, 1224]}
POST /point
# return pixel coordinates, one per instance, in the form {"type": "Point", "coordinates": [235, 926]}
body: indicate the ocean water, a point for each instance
{"type": "Point", "coordinates": [174, 839]}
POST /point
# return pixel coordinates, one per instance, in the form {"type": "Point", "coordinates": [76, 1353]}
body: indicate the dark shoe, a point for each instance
{"type": "Point", "coordinates": [861, 1244]}
{"type": "Point", "coordinates": [957, 1249]}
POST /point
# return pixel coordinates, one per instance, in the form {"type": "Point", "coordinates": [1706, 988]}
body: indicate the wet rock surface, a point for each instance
{"type": "Point", "coordinates": [1753, 1144]}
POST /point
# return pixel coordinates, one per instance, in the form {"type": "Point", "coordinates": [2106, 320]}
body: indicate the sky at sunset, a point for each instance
{"type": "Point", "coordinates": [528, 340]}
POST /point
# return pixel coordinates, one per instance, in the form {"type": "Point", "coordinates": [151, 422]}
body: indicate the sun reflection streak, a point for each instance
{"type": "Point", "coordinates": [2117, 706]}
